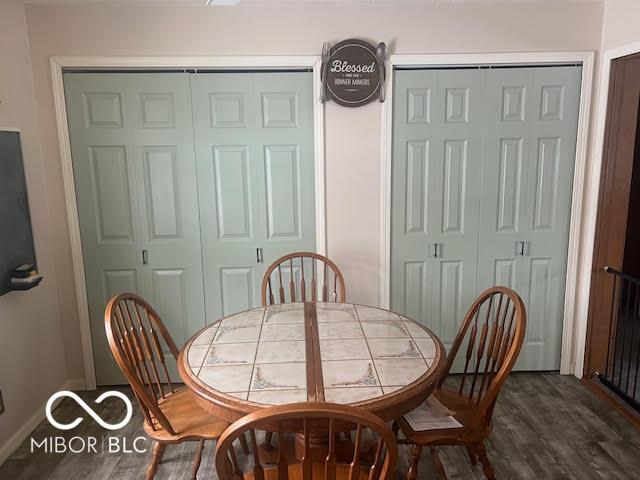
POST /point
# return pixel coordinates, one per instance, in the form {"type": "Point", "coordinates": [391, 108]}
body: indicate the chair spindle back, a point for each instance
{"type": "Point", "coordinates": [493, 329]}
{"type": "Point", "coordinates": [307, 273]}
{"type": "Point", "coordinates": [136, 336]}
{"type": "Point", "coordinates": [304, 418]}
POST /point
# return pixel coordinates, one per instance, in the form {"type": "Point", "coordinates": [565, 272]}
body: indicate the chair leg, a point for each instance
{"type": "Point", "coordinates": [245, 445]}
{"type": "Point", "coordinates": [437, 462]}
{"type": "Point", "coordinates": [472, 455]}
{"type": "Point", "coordinates": [487, 469]}
{"type": "Point", "coordinates": [158, 451]}
{"type": "Point", "coordinates": [197, 460]}
{"type": "Point", "coordinates": [416, 451]}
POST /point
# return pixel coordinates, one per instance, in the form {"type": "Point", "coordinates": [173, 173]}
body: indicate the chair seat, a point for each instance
{"type": "Point", "coordinates": [317, 472]}
{"type": "Point", "coordinates": [189, 421]}
{"type": "Point", "coordinates": [464, 410]}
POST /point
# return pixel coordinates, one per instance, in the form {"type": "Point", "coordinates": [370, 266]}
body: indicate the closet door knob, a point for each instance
{"type": "Point", "coordinates": [520, 248]}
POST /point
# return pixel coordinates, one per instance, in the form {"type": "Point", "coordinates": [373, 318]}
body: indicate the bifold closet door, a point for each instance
{"type": "Point", "coordinates": [254, 149]}
{"type": "Point", "coordinates": [482, 173]}
{"type": "Point", "coordinates": [134, 170]}
{"type": "Point", "coordinates": [437, 164]}
{"type": "Point", "coordinates": [531, 127]}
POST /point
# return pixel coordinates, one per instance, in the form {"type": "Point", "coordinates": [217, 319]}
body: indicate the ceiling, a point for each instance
{"type": "Point", "coordinates": [290, 2]}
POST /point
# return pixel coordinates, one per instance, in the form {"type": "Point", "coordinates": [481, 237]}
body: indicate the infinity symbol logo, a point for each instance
{"type": "Point", "coordinates": [89, 410]}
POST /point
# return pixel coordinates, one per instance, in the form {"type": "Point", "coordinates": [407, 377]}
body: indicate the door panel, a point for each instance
{"type": "Point", "coordinates": [134, 169]}
{"type": "Point", "coordinates": [254, 141]}
{"type": "Point", "coordinates": [482, 167]}
{"type": "Point", "coordinates": [546, 218]}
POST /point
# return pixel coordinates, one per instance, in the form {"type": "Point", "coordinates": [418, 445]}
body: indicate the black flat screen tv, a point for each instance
{"type": "Point", "coordinates": [16, 237]}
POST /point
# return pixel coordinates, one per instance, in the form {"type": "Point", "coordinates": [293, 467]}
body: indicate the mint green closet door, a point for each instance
{"type": "Point", "coordinates": [437, 160]}
{"type": "Point", "coordinates": [254, 141]}
{"type": "Point", "coordinates": [532, 118]}
{"type": "Point", "coordinates": [134, 171]}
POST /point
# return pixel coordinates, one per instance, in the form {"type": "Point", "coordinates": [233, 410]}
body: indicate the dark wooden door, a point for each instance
{"type": "Point", "coordinates": [613, 209]}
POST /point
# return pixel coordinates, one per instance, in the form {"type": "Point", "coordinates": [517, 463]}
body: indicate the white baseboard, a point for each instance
{"type": "Point", "coordinates": [11, 445]}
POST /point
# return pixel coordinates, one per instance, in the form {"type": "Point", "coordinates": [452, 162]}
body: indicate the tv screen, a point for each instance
{"type": "Point", "coordinates": [16, 238]}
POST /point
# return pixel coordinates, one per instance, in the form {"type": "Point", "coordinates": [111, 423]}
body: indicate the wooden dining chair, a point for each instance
{"type": "Point", "coordinates": [138, 341]}
{"type": "Point", "coordinates": [493, 330]}
{"type": "Point", "coordinates": [317, 418]}
{"type": "Point", "coordinates": [306, 272]}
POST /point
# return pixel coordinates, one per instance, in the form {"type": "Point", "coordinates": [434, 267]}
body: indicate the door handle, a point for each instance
{"type": "Point", "coordinates": [145, 257]}
{"type": "Point", "coordinates": [520, 248]}
{"type": "Point", "coordinates": [259, 257]}
{"type": "Point", "coordinates": [436, 250]}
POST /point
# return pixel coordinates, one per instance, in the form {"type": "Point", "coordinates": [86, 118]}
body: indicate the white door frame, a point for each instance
{"type": "Point", "coordinates": [574, 321]}
{"type": "Point", "coordinates": [58, 64]}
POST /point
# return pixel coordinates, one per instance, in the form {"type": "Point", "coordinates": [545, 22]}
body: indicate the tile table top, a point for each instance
{"type": "Point", "coordinates": [336, 352]}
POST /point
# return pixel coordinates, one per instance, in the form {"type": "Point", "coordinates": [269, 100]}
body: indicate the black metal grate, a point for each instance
{"type": "Point", "coordinates": [623, 355]}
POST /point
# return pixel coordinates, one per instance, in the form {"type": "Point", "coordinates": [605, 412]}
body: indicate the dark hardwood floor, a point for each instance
{"type": "Point", "coordinates": [547, 426]}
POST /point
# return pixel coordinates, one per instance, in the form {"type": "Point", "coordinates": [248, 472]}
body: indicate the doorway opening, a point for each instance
{"type": "Point", "coordinates": [613, 338]}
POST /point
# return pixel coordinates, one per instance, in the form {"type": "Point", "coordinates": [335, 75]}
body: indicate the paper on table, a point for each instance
{"type": "Point", "coordinates": [431, 415]}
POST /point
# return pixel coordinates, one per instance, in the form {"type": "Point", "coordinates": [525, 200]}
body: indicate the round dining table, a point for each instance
{"type": "Point", "coordinates": [343, 353]}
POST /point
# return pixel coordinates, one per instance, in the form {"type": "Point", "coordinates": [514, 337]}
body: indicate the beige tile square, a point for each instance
{"type": "Point", "coordinates": [196, 355]}
{"type": "Point", "coordinates": [349, 373]}
{"type": "Point", "coordinates": [234, 378]}
{"type": "Point", "coordinates": [414, 328]}
{"type": "Point", "coordinates": [366, 314]}
{"type": "Point", "coordinates": [279, 376]}
{"type": "Point", "coordinates": [345, 349]}
{"type": "Point", "coordinates": [240, 395]}
{"type": "Point", "coordinates": [393, 348]}
{"type": "Point", "coordinates": [339, 330]}
{"type": "Point", "coordinates": [230, 333]}
{"type": "Point", "coordinates": [284, 314]}
{"type": "Point", "coordinates": [399, 371]}
{"type": "Point", "coordinates": [278, 397]}
{"type": "Point", "coordinates": [427, 346]}
{"type": "Point", "coordinates": [384, 329]}
{"type": "Point", "coordinates": [279, 333]}
{"type": "Point", "coordinates": [348, 395]}
{"type": "Point", "coordinates": [281, 352]}
{"type": "Point", "coordinates": [250, 317]}
{"type": "Point", "coordinates": [391, 389]}
{"type": "Point", "coordinates": [206, 336]}
{"type": "Point", "coordinates": [231, 354]}
{"type": "Point", "coordinates": [335, 312]}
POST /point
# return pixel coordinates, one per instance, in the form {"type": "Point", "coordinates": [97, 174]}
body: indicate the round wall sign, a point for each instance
{"type": "Point", "coordinates": [354, 73]}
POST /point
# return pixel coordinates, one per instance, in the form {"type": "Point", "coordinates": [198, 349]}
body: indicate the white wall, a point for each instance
{"type": "Point", "coordinates": [32, 359]}
{"type": "Point", "coordinates": [352, 135]}
{"type": "Point", "coordinates": [620, 23]}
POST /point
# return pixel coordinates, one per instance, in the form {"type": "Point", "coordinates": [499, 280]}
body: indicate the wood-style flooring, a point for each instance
{"type": "Point", "coordinates": [547, 426]}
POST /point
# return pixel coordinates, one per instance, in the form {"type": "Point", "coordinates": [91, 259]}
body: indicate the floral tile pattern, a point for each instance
{"type": "Point", "coordinates": [335, 312]}
{"type": "Point", "coordinates": [260, 355]}
{"type": "Point", "coordinates": [393, 348]}
{"type": "Point", "coordinates": [384, 329]}
{"type": "Point", "coordinates": [230, 354]}
{"type": "Point", "coordinates": [228, 378]}
{"type": "Point", "coordinates": [276, 376]}
{"type": "Point", "coordinates": [399, 371]}
{"type": "Point", "coordinates": [230, 333]}
{"type": "Point", "coordinates": [349, 373]}
{"type": "Point", "coordinates": [284, 313]}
